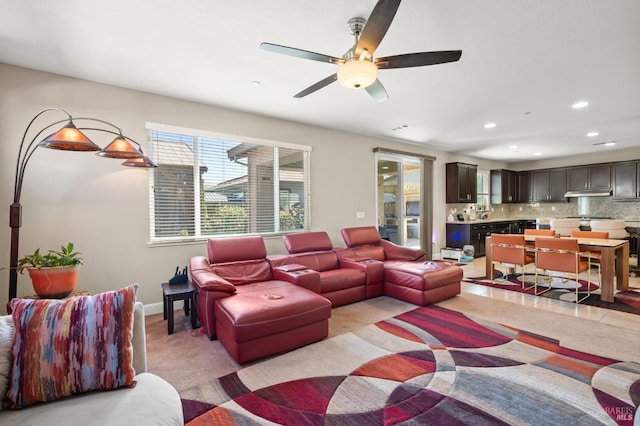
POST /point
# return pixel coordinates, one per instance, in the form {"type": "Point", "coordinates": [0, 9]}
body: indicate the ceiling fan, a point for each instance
{"type": "Point", "coordinates": [357, 68]}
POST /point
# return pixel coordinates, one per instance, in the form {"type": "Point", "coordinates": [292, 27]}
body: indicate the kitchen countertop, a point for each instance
{"type": "Point", "coordinates": [491, 221]}
{"type": "Point", "coordinates": [628, 223]}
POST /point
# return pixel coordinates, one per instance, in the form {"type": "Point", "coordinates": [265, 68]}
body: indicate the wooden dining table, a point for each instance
{"type": "Point", "coordinates": [614, 261]}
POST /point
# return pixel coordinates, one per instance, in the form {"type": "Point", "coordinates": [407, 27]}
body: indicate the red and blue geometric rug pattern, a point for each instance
{"type": "Point", "coordinates": [427, 366]}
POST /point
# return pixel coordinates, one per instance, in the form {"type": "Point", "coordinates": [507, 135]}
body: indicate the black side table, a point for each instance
{"type": "Point", "coordinates": [173, 292]}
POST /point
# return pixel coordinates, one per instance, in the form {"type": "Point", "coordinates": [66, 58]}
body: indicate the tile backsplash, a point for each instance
{"type": "Point", "coordinates": [580, 206]}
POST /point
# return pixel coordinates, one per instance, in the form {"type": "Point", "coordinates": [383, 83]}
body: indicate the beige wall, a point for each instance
{"type": "Point", "coordinates": [103, 207]}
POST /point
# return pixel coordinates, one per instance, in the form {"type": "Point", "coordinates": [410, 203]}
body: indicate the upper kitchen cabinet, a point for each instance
{"type": "Point", "coordinates": [589, 178]}
{"type": "Point", "coordinates": [549, 185]}
{"type": "Point", "coordinates": [524, 187]}
{"type": "Point", "coordinates": [461, 182]}
{"type": "Point", "coordinates": [626, 181]}
{"type": "Point", "coordinates": [504, 187]}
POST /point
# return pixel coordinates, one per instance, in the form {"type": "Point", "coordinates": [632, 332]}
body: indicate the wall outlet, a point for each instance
{"type": "Point", "coordinates": [553, 208]}
{"type": "Point", "coordinates": [359, 215]}
{"type": "Point", "coordinates": [519, 209]}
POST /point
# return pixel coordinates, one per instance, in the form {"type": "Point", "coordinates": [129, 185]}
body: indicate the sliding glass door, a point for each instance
{"type": "Point", "coordinates": [399, 203]}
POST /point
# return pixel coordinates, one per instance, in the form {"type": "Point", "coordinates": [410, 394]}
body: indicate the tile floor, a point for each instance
{"type": "Point", "coordinates": [606, 316]}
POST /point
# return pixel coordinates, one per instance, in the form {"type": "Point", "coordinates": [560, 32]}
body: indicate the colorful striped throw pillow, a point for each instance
{"type": "Point", "coordinates": [65, 347]}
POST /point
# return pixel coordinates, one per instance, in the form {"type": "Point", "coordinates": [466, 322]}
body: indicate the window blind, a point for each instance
{"type": "Point", "coordinates": [206, 185]}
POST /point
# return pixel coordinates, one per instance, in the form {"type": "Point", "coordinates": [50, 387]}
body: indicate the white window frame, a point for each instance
{"type": "Point", "coordinates": [196, 134]}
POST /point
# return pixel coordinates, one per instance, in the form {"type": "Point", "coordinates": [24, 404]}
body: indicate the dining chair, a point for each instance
{"type": "Point", "coordinates": [542, 232]}
{"type": "Point", "coordinates": [562, 255]}
{"type": "Point", "coordinates": [538, 233]}
{"type": "Point", "coordinates": [596, 256]}
{"type": "Point", "coordinates": [510, 250]}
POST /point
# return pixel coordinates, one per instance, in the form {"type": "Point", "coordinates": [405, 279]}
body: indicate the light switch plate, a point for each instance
{"type": "Point", "coordinates": [359, 215]}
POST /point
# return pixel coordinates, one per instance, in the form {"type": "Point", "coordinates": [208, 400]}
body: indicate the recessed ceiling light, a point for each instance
{"type": "Point", "coordinates": [592, 134]}
{"type": "Point", "coordinates": [513, 147]}
{"type": "Point", "coordinates": [580, 105]}
{"type": "Point", "coordinates": [610, 143]}
{"type": "Point", "coordinates": [255, 83]}
{"type": "Point", "coordinates": [537, 154]}
{"type": "Point", "coordinates": [490, 125]}
{"type": "Point", "coordinates": [401, 127]}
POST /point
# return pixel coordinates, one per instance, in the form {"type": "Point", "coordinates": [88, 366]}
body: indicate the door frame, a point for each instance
{"type": "Point", "coordinates": [426, 191]}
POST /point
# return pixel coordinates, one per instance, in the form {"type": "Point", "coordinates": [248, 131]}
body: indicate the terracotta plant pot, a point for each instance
{"type": "Point", "coordinates": [54, 283]}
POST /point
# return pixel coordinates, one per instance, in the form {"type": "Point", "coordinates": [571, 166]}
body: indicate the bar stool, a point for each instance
{"type": "Point", "coordinates": [565, 226]}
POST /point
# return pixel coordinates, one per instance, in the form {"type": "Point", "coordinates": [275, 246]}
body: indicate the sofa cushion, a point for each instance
{"type": "Point", "coordinates": [307, 241]}
{"type": "Point", "coordinates": [6, 342]}
{"type": "Point", "coordinates": [340, 279]}
{"type": "Point", "coordinates": [66, 347]}
{"type": "Point", "coordinates": [368, 252]}
{"type": "Point", "coordinates": [318, 261]}
{"type": "Point", "coordinates": [223, 250]}
{"type": "Point", "coordinates": [247, 272]}
{"type": "Point", "coordinates": [360, 236]}
{"type": "Point", "coordinates": [153, 401]}
{"type": "Point", "coordinates": [269, 308]}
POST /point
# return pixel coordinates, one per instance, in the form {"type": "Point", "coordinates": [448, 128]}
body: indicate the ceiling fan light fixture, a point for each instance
{"type": "Point", "coordinates": [357, 74]}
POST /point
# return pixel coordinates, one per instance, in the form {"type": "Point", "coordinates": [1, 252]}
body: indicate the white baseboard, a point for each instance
{"type": "Point", "coordinates": [153, 308]}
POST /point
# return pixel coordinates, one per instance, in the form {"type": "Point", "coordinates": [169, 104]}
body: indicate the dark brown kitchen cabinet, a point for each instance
{"type": "Point", "coordinates": [549, 185]}
{"type": "Point", "coordinates": [596, 177]}
{"type": "Point", "coordinates": [524, 187]}
{"type": "Point", "coordinates": [504, 186]}
{"type": "Point", "coordinates": [461, 183]}
{"type": "Point", "coordinates": [626, 181]}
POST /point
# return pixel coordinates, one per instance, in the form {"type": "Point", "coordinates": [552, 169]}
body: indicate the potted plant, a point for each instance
{"type": "Point", "coordinates": [54, 274]}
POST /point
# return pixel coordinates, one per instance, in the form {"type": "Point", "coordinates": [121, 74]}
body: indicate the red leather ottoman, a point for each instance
{"type": "Point", "coordinates": [270, 317]}
{"type": "Point", "coordinates": [421, 283]}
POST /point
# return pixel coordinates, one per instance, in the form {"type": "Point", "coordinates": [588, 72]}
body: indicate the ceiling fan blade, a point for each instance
{"type": "Point", "coordinates": [299, 53]}
{"type": "Point", "coordinates": [377, 91]}
{"type": "Point", "coordinates": [317, 86]}
{"type": "Point", "coordinates": [418, 59]}
{"type": "Point", "coordinates": [377, 25]}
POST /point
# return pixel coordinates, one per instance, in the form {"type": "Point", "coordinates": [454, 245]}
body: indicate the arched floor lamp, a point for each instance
{"type": "Point", "coordinates": [68, 138]}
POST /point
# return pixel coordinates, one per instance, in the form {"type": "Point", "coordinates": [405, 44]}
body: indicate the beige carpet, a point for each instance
{"type": "Point", "coordinates": [190, 361]}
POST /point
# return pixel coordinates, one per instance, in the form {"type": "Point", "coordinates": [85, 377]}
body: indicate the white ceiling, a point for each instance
{"type": "Point", "coordinates": [524, 63]}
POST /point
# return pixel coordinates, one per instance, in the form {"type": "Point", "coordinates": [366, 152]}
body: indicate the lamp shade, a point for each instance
{"type": "Point", "coordinates": [120, 148]}
{"type": "Point", "coordinates": [357, 74]}
{"type": "Point", "coordinates": [69, 138]}
{"type": "Point", "coordinates": [144, 162]}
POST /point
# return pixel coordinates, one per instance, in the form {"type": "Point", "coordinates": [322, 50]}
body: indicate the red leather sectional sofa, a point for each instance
{"type": "Point", "coordinates": [253, 314]}
{"type": "Point", "coordinates": [259, 306]}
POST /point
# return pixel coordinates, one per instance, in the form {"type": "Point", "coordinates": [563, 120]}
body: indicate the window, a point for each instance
{"type": "Point", "coordinates": [483, 191]}
{"type": "Point", "coordinates": [210, 185]}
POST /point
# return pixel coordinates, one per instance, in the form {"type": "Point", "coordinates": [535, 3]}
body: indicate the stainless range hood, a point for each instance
{"type": "Point", "coordinates": [588, 193]}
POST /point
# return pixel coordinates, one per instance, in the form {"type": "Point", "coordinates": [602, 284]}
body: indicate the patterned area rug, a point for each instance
{"type": "Point", "coordinates": [427, 366]}
{"type": "Point", "coordinates": [624, 301]}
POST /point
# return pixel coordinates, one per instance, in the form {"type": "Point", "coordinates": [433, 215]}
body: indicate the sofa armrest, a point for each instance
{"type": "Point", "coordinates": [373, 268]}
{"type": "Point", "coordinates": [395, 252]}
{"type": "Point", "coordinates": [210, 281]}
{"type": "Point", "coordinates": [204, 279]}
{"type": "Point", "coordinates": [139, 340]}
{"type": "Point", "coordinates": [299, 275]}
